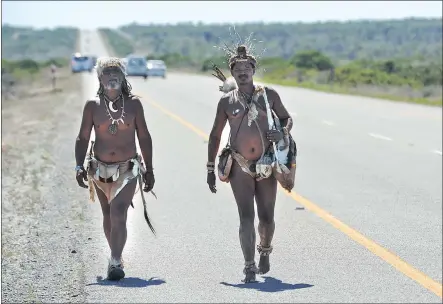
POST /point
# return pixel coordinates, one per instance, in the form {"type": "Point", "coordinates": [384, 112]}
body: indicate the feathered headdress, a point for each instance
{"type": "Point", "coordinates": [242, 56]}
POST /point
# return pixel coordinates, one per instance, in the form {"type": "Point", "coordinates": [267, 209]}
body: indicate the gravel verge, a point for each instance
{"type": "Point", "coordinates": [42, 210]}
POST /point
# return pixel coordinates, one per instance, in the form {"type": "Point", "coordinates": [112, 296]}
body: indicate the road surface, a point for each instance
{"type": "Point", "coordinates": [363, 224]}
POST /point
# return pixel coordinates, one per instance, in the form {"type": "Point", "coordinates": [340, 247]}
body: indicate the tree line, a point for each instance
{"type": "Point", "coordinates": [38, 44]}
{"type": "Point", "coordinates": [403, 57]}
{"type": "Point", "coordinates": [399, 59]}
{"type": "Point", "coordinates": [341, 41]}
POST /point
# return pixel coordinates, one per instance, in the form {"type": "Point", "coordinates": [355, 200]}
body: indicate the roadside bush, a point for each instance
{"type": "Point", "coordinates": [27, 68]}
{"type": "Point", "coordinates": [312, 60]}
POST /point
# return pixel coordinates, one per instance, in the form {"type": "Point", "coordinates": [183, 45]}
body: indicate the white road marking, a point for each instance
{"type": "Point", "coordinates": [379, 136]}
{"type": "Point", "coordinates": [437, 152]}
{"type": "Point", "coordinates": [329, 123]}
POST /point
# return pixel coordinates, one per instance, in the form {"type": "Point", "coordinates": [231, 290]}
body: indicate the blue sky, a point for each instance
{"type": "Point", "coordinates": [93, 14]}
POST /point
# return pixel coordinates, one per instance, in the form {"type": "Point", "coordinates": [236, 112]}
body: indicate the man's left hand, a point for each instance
{"type": "Point", "coordinates": [149, 180]}
{"type": "Point", "coordinates": [274, 135]}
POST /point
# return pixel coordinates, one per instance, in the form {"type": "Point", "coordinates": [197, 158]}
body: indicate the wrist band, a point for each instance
{"type": "Point", "coordinates": [210, 166]}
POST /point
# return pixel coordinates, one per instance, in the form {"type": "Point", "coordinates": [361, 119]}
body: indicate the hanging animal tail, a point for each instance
{"type": "Point", "coordinates": [90, 182]}
{"type": "Point", "coordinates": [145, 211]}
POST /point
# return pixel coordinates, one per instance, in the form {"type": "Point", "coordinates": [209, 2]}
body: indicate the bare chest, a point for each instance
{"type": "Point", "coordinates": [124, 119]}
{"type": "Point", "coordinates": [239, 110]}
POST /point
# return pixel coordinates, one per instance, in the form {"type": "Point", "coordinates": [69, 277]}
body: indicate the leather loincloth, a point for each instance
{"type": "Point", "coordinates": [250, 167]}
{"type": "Point", "coordinates": [112, 178]}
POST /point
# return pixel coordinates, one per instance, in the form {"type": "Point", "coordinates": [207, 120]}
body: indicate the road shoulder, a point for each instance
{"type": "Point", "coordinates": [42, 227]}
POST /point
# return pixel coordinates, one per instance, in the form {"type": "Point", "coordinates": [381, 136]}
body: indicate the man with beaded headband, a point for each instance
{"type": "Point", "coordinates": [248, 160]}
{"type": "Point", "coordinates": [113, 165]}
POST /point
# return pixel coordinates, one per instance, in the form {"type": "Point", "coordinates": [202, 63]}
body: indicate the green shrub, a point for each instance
{"type": "Point", "coordinates": [28, 67]}
{"type": "Point", "coordinates": [312, 60]}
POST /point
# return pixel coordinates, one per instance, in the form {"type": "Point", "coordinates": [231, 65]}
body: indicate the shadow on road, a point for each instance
{"type": "Point", "coordinates": [128, 282]}
{"type": "Point", "coordinates": [269, 285]}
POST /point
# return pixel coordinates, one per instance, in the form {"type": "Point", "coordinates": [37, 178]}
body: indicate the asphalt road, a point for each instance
{"type": "Point", "coordinates": [364, 223]}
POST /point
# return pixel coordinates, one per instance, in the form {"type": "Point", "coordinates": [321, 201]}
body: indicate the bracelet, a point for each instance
{"type": "Point", "coordinates": [210, 166]}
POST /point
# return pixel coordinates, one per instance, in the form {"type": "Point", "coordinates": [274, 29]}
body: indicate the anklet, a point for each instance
{"type": "Point", "coordinates": [264, 251]}
{"type": "Point", "coordinates": [250, 267]}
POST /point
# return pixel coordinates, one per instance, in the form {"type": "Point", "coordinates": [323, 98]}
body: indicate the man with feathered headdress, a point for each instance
{"type": "Point", "coordinates": [260, 152]}
{"type": "Point", "coordinates": [113, 164]}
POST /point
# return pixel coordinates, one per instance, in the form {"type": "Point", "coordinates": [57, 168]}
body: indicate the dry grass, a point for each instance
{"type": "Point", "coordinates": [431, 96]}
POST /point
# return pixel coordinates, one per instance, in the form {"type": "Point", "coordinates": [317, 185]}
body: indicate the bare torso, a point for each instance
{"type": "Point", "coordinates": [120, 147]}
{"type": "Point", "coordinates": [248, 141]}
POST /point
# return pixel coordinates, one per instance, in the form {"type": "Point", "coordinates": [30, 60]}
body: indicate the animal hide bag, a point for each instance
{"type": "Point", "coordinates": [225, 164]}
{"type": "Point", "coordinates": [284, 166]}
{"type": "Point", "coordinates": [285, 173]}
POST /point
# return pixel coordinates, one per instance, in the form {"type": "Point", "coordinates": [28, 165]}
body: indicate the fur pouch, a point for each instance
{"type": "Point", "coordinates": [225, 164]}
{"type": "Point", "coordinates": [285, 173]}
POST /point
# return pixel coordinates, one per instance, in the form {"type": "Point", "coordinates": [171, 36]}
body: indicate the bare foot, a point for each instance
{"type": "Point", "coordinates": [250, 272]}
{"type": "Point", "coordinates": [264, 265]}
{"type": "Point", "coordinates": [250, 277]}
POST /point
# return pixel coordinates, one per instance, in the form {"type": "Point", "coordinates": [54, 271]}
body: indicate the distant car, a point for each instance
{"type": "Point", "coordinates": [81, 63]}
{"type": "Point", "coordinates": [156, 68]}
{"type": "Point", "coordinates": [136, 66]}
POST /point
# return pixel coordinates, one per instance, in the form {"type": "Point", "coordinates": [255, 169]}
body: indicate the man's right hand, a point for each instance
{"type": "Point", "coordinates": [211, 182]}
{"type": "Point", "coordinates": [80, 176]}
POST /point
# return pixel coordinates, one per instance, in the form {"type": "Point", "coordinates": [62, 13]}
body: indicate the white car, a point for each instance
{"type": "Point", "coordinates": [156, 68]}
{"type": "Point", "coordinates": [136, 66]}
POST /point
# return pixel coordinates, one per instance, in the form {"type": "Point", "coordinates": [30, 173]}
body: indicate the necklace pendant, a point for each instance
{"type": "Point", "coordinates": [113, 128]}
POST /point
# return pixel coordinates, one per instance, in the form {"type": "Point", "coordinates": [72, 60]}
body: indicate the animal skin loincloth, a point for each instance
{"type": "Point", "coordinates": [112, 178]}
{"type": "Point", "coordinates": [250, 167]}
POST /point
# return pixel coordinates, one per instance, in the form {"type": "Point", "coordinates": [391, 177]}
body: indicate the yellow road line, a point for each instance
{"type": "Point", "coordinates": [378, 250]}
